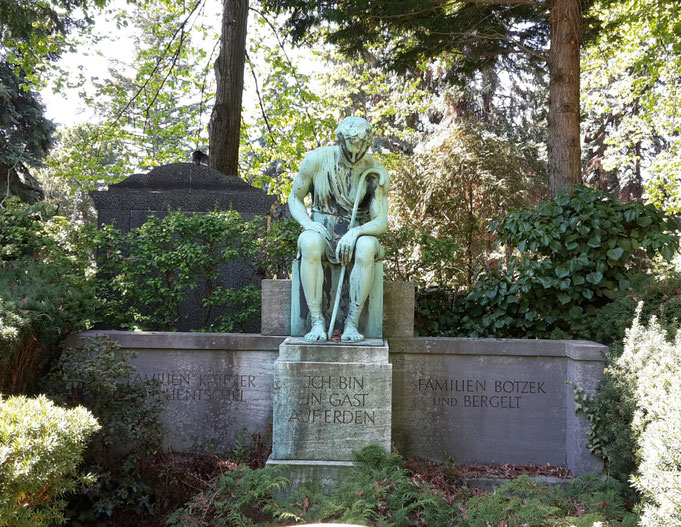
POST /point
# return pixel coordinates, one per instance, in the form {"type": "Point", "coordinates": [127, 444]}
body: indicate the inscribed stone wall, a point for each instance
{"type": "Point", "coordinates": [476, 400]}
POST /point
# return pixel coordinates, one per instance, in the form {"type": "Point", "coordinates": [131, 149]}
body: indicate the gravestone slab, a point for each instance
{"type": "Point", "coordinates": [215, 386]}
{"type": "Point", "coordinates": [494, 401]}
{"type": "Point", "coordinates": [330, 399]}
{"type": "Point", "coordinates": [475, 400]}
{"type": "Point", "coordinates": [192, 189]}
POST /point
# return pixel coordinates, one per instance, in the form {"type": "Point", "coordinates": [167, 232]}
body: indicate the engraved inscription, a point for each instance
{"type": "Point", "coordinates": [181, 386]}
{"type": "Point", "coordinates": [328, 399]}
{"type": "Point", "coordinates": [480, 393]}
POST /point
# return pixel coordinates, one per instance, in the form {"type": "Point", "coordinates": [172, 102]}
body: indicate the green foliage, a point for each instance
{"type": "Point", "coordinates": [85, 157]}
{"type": "Point", "coordinates": [239, 497]}
{"type": "Point", "coordinates": [277, 248]}
{"type": "Point", "coordinates": [653, 365]}
{"type": "Point", "coordinates": [576, 253]}
{"type": "Point", "coordinates": [99, 377]}
{"type": "Point", "coordinates": [151, 270]}
{"type": "Point", "coordinates": [660, 294]}
{"type": "Point", "coordinates": [41, 448]}
{"type": "Point", "coordinates": [46, 289]}
{"type": "Point", "coordinates": [289, 120]}
{"type": "Point", "coordinates": [444, 198]}
{"type": "Point", "coordinates": [33, 32]}
{"type": "Point", "coordinates": [437, 311]}
{"type": "Point", "coordinates": [380, 492]}
{"type": "Point", "coordinates": [155, 104]}
{"type": "Point", "coordinates": [25, 135]}
{"type": "Point", "coordinates": [630, 97]}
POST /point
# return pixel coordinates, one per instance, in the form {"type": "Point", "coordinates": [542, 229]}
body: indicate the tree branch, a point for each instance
{"type": "Point", "coordinates": [257, 91]}
{"type": "Point", "coordinates": [439, 4]}
{"type": "Point", "coordinates": [179, 29]}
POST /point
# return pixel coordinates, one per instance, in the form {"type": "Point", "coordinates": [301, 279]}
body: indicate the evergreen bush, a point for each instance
{"type": "Point", "coordinates": [99, 377]}
{"type": "Point", "coordinates": [46, 289]}
{"type": "Point", "coordinates": [41, 448]}
{"type": "Point", "coordinates": [652, 364]}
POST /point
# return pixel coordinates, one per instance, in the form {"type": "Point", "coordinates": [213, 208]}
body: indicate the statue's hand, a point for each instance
{"type": "Point", "coordinates": [318, 227]}
{"type": "Point", "coordinates": [346, 245]}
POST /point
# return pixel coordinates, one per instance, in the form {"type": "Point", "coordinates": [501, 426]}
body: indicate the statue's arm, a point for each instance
{"type": "Point", "coordinates": [300, 188]}
{"type": "Point", "coordinates": [296, 199]}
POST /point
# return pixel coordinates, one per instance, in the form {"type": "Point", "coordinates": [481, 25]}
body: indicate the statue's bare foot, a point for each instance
{"type": "Point", "coordinates": [317, 333]}
{"type": "Point", "coordinates": [351, 334]}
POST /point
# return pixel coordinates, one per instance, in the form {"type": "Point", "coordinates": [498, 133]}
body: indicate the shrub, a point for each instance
{"type": "Point", "coordinates": [98, 376]}
{"type": "Point", "coordinates": [660, 296]}
{"type": "Point", "coordinates": [277, 247]}
{"type": "Point", "coordinates": [380, 491]}
{"type": "Point", "coordinates": [576, 254]}
{"type": "Point", "coordinates": [149, 271]}
{"type": "Point", "coordinates": [653, 365]}
{"type": "Point", "coordinates": [46, 289]}
{"type": "Point", "coordinates": [41, 447]}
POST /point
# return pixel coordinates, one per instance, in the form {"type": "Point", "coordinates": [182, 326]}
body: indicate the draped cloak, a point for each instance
{"type": "Point", "coordinates": [333, 190]}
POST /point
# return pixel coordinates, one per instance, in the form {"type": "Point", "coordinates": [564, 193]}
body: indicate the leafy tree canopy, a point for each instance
{"type": "Point", "coordinates": [33, 32]}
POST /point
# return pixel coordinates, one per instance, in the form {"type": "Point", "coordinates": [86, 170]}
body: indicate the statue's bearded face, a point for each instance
{"type": "Point", "coordinates": [354, 146]}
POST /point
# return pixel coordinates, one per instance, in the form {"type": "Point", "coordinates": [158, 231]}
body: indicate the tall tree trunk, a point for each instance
{"type": "Point", "coordinates": [564, 149]}
{"type": "Point", "coordinates": [225, 121]}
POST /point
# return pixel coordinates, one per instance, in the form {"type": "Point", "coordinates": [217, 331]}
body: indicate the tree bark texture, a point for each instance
{"type": "Point", "coordinates": [225, 121]}
{"type": "Point", "coordinates": [564, 150]}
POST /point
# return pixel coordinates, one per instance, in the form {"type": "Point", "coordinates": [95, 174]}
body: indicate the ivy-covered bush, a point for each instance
{"type": "Point", "coordinates": [147, 273]}
{"type": "Point", "coordinates": [576, 254]}
{"type": "Point", "coordinates": [41, 449]}
{"type": "Point", "coordinates": [99, 377]}
{"type": "Point", "coordinates": [46, 289]}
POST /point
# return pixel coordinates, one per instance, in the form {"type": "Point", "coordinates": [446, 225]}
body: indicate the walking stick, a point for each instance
{"type": "Point", "coordinates": [343, 266]}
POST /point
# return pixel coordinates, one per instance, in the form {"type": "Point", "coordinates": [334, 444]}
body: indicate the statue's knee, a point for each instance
{"type": "Point", "coordinates": [365, 251]}
{"type": "Point", "coordinates": [311, 245]}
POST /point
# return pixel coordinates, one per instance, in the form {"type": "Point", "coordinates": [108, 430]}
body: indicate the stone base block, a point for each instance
{"type": "Point", "coordinates": [317, 476]}
{"type": "Point", "coordinates": [330, 400]}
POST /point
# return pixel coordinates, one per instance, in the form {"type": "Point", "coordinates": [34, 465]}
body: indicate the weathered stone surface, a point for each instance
{"type": "Point", "coordinates": [275, 316]}
{"type": "Point", "coordinates": [437, 397]}
{"type": "Point", "coordinates": [493, 401]}
{"type": "Point", "coordinates": [215, 385]}
{"type": "Point", "coordinates": [186, 186]}
{"type": "Point", "coordinates": [317, 476]}
{"type": "Point", "coordinates": [323, 411]}
{"type": "Point", "coordinates": [398, 308]}
{"type": "Point", "coordinates": [190, 188]}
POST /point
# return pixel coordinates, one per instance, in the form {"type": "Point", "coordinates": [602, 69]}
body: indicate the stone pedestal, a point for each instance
{"type": "Point", "coordinates": [329, 400]}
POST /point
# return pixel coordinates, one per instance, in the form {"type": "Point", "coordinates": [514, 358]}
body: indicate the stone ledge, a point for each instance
{"type": "Point", "coordinates": [296, 349]}
{"type": "Point", "coordinates": [575, 350]}
{"type": "Point", "coordinates": [171, 340]}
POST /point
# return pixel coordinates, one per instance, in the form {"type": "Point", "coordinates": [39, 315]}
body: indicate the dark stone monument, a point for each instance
{"type": "Point", "coordinates": [191, 188]}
